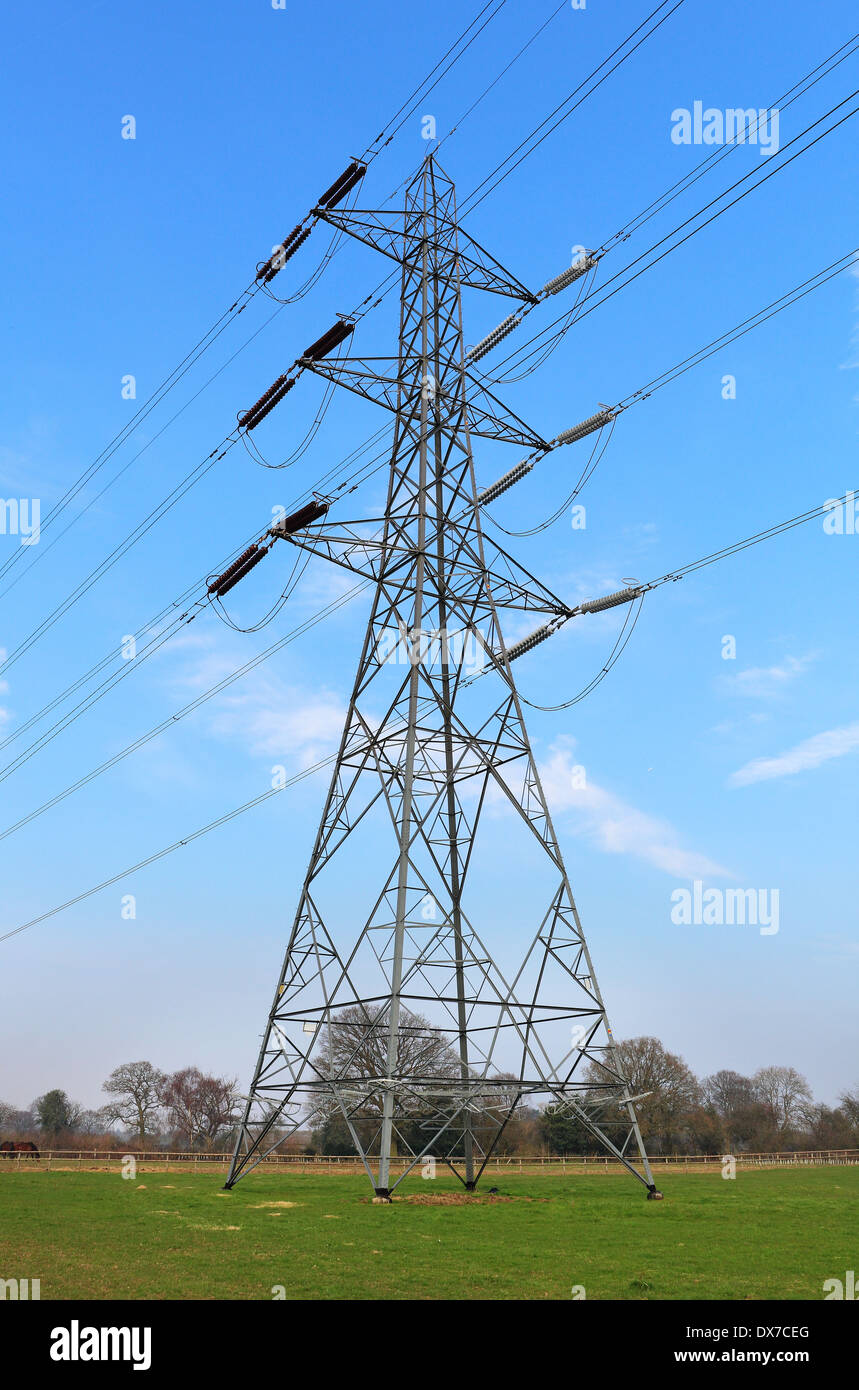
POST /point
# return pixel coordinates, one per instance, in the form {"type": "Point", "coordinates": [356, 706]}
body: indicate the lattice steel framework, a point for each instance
{"type": "Point", "coordinates": [405, 1010]}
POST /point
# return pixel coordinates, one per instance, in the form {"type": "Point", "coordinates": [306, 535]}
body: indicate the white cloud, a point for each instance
{"type": "Point", "coordinates": [280, 721]}
{"type": "Point", "coordinates": [731, 726]}
{"type": "Point", "coordinates": [268, 716]}
{"type": "Point", "coordinates": [618, 828]}
{"type": "Point", "coordinates": [833, 743]}
{"type": "Point", "coordinates": [765, 681]}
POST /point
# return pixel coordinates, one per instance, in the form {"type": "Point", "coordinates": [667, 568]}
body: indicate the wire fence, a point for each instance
{"type": "Point", "coordinates": [158, 1160]}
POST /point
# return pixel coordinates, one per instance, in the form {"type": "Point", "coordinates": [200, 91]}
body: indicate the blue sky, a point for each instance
{"type": "Point", "coordinates": [119, 254]}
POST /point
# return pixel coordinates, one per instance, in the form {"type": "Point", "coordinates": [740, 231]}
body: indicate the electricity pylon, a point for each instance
{"type": "Point", "coordinates": [405, 1011]}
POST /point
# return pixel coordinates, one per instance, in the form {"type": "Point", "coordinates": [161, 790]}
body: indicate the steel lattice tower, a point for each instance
{"type": "Point", "coordinates": [395, 1013]}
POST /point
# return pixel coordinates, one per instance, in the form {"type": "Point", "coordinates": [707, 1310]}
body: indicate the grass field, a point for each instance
{"type": "Point", "coordinates": [767, 1234]}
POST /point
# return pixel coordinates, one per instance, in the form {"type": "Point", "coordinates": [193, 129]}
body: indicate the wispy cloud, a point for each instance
{"type": "Point", "coordinates": [619, 828]}
{"type": "Point", "coordinates": [279, 721]}
{"type": "Point", "coordinates": [266, 715]}
{"type": "Point", "coordinates": [833, 743]}
{"type": "Point", "coordinates": [763, 682]}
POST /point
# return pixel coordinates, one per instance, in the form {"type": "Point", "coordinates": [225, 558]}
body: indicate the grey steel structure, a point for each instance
{"type": "Point", "coordinates": [409, 1015]}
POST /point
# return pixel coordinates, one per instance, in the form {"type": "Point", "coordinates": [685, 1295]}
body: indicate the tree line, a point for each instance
{"type": "Point", "coordinates": [771, 1111]}
{"type": "Point", "coordinates": [147, 1108]}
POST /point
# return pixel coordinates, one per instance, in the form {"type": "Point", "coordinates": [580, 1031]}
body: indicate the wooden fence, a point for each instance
{"type": "Point", "coordinates": [109, 1159]}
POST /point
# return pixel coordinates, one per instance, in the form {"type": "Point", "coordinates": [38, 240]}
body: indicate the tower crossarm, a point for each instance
{"type": "Point", "coordinates": [373, 378]}
{"type": "Point", "coordinates": [372, 554]}
{"type": "Point", "coordinates": [383, 230]}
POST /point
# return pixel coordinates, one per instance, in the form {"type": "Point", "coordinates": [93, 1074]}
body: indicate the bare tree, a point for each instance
{"type": "Point", "coordinates": [216, 1104]}
{"type": "Point", "coordinates": [727, 1092]}
{"type": "Point", "coordinates": [354, 1045]}
{"type": "Point", "coordinates": [674, 1089]}
{"type": "Point", "coordinates": [94, 1123]}
{"type": "Point", "coordinates": [785, 1094]}
{"type": "Point", "coordinates": [831, 1129]}
{"type": "Point", "coordinates": [850, 1105]}
{"type": "Point", "coordinates": [21, 1123]}
{"type": "Point", "coordinates": [136, 1088]}
{"type": "Point", "coordinates": [200, 1107]}
{"type": "Point", "coordinates": [179, 1095]}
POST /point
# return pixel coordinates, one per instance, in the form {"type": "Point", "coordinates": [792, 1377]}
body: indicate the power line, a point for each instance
{"type": "Point", "coordinates": [178, 844]}
{"type": "Point", "coordinates": [421, 95]}
{"type": "Point", "coordinates": [630, 623]}
{"type": "Point", "coordinates": [195, 476]}
{"type": "Point", "coordinates": [238, 307]}
{"type": "Point", "coordinates": [43, 551]}
{"type": "Point", "coordinates": [562, 325]}
{"type": "Point", "coordinates": [519, 354]}
{"type": "Point", "coordinates": [781, 103]}
{"type": "Point", "coordinates": [151, 520]}
{"type": "Point", "coordinates": [118, 551]}
{"type": "Point", "coordinates": [502, 73]}
{"type": "Point", "coordinates": [142, 412]}
{"type": "Point", "coordinates": [471, 202]}
{"type": "Point", "coordinates": [776, 306]}
{"type": "Point", "coordinates": [362, 473]}
{"type": "Point", "coordinates": [769, 311]}
{"type": "Point", "coordinates": [171, 720]}
{"type": "Point", "coordinates": [671, 577]}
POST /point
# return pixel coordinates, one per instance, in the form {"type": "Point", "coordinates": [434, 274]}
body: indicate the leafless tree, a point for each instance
{"type": "Point", "coordinates": [135, 1088]}
{"type": "Point", "coordinates": [179, 1095]}
{"type": "Point", "coordinates": [200, 1107]}
{"type": "Point", "coordinates": [216, 1104]}
{"type": "Point", "coordinates": [674, 1089]}
{"type": "Point", "coordinates": [727, 1092]}
{"type": "Point", "coordinates": [850, 1105]}
{"type": "Point", "coordinates": [20, 1123]}
{"type": "Point", "coordinates": [785, 1094]}
{"type": "Point", "coordinates": [355, 1045]}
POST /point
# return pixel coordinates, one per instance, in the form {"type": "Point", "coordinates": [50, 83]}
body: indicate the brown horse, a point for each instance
{"type": "Point", "coordinates": [18, 1146]}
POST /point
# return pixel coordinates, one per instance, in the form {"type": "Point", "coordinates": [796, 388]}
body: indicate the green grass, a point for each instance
{"type": "Point", "coordinates": [768, 1234]}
